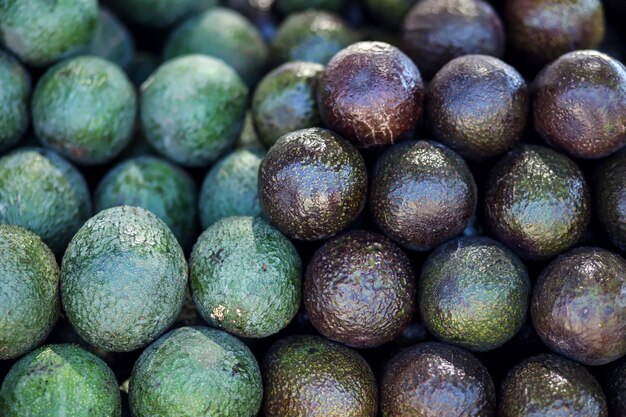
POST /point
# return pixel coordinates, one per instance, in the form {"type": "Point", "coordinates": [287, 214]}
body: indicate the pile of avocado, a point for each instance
{"type": "Point", "coordinates": [312, 208]}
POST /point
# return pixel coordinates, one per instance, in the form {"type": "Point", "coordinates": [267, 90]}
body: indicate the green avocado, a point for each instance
{"type": "Point", "coordinates": [610, 197]}
{"type": "Point", "coordinates": [14, 97]}
{"type": "Point", "coordinates": [249, 139]}
{"type": "Point", "coordinates": [112, 40]}
{"type": "Point", "coordinates": [158, 13]}
{"type": "Point", "coordinates": [290, 6]}
{"type": "Point", "coordinates": [391, 13]}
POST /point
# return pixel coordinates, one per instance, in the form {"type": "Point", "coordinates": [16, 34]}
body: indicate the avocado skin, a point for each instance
{"type": "Point", "coordinates": [158, 13]}
{"type": "Point", "coordinates": [29, 291]}
{"type": "Point", "coordinates": [291, 6]}
{"type": "Point", "coordinates": [298, 369]}
{"type": "Point", "coordinates": [537, 202]}
{"type": "Point", "coordinates": [14, 98]}
{"type": "Point", "coordinates": [550, 385]}
{"type": "Point", "coordinates": [246, 277]}
{"type": "Point", "coordinates": [610, 197]}
{"type": "Point", "coordinates": [478, 105]}
{"type": "Point", "coordinates": [579, 104]}
{"type": "Point", "coordinates": [60, 380]}
{"type": "Point", "coordinates": [616, 391]}
{"type": "Point", "coordinates": [359, 289]}
{"type": "Point", "coordinates": [312, 184]}
{"type": "Point", "coordinates": [193, 108]}
{"type": "Point", "coordinates": [436, 380]}
{"type": "Point", "coordinates": [196, 372]}
{"type": "Point", "coordinates": [422, 194]}
{"type": "Point", "coordinates": [390, 13]}
{"type": "Point", "coordinates": [285, 101]}
{"type": "Point", "coordinates": [45, 194]}
{"type": "Point", "coordinates": [123, 279]}
{"type": "Point", "coordinates": [112, 40]}
{"type": "Point", "coordinates": [578, 303]}
{"type": "Point", "coordinates": [84, 108]}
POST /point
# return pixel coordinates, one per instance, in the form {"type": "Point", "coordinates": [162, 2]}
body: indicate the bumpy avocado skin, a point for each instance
{"type": "Point", "coordinates": [193, 108]}
{"type": "Point", "coordinates": [156, 185]}
{"type": "Point", "coordinates": [123, 279]}
{"type": "Point", "coordinates": [29, 291]}
{"type": "Point", "coordinates": [196, 372]}
{"type": "Point", "coordinates": [301, 371]}
{"type": "Point", "coordinates": [436, 380]}
{"type": "Point", "coordinates": [45, 194]}
{"type": "Point", "coordinates": [231, 188]}
{"type": "Point", "coordinates": [14, 97]}
{"type": "Point", "coordinates": [158, 13]}
{"type": "Point", "coordinates": [112, 40]}
{"type": "Point", "coordinates": [550, 385]}
{"type": "Point", "coordinates": [312, 184]}
{"type": "Point", "coordinates": [578, 303]}
{"type": "Point", "coordinates": [616, 391]}
{"type": "Point", "coordinates": [40, 32]}
{"type": "Point", "coordinates": [537, 202]}
{"type": "Point", "coordinates": [610, 197]}
{"type": "Point", "coordinates": [285, 101]}
{"type": "Point", "coordinates": [359, 289]}
{"type": "Point", "coordinates": [84, 108]}
{"type": "Point", "coordinates": [60, 380]}
{"type": "Point", "coordinates": [290, 6]}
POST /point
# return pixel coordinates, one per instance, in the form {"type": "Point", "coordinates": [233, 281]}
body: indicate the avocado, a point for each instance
{"type": "Point", "coordinates": [312, 184]}
{"type": "Point", "coordinates": [249, 138]}
{"type": "Point", "coordinates": [616, 391]}
{"type": "Point", "coordinates": [224, 34]}
{"type": "Point", "coordinates": [285, 101]}
{"type": "Point", "coordinates": [40, 32]}
{"type": "Point", "coordinates": [123, 279]}
{"type": "Point", "coordinates": [372, 94]}
{"type": "Point", "coordinates": [390, 13]}
{"type": "Point", "coordinates": [579, 104]}
{"type": "Point", "coordinates": [156, 185]}
{"type": "Point", "coordinates": [196, 372]}
{"type": "Point", "coordinates": [29, 291]}
{"type": "Point", "coordinates": [246, 277]}
{"type": "Point", "coordinates": [537, 202]}
{"type": "Point", "coordinates": [436, 31]}
{"type": "Point", "coordinates": [312, 35]}
{"type": "Point", "coordinates": [359, 289]}
{"type": "Point", "coordinates": [60, 380]}
{"type": "Point", "coordinates": [14, 98]}
{"type": "Point", "coordinates": [43, 193]}
{"type": "Point", "coordinates": [291, 6]}
{"type": "Point", "coordinates": [230, 188]}
{"type": "Point", "coordinates": [610, 195]}
{"type": "Point", "coordinates": [578, 305]}
{"type": "Point", "coordinates": [158, 13]}
{"type": "Point", "coordinates": [549, 385]}
{"type": "Point", "coordinates": [436, 380]}
{"type": "Point", "coordinates": [192, 109]}
{"type": "Point", "coordinates": [141, 67]}
{"type": "Point", "coordinates": [478, 105]}
{"type": "Point", "coordinates": [311, 376]}
{"type": "Point", "coordinates": [422, 194]}
{"type": "Point", "coordinates": [84, 108]}
{"type": "Point", "coordinates": [112, 40]}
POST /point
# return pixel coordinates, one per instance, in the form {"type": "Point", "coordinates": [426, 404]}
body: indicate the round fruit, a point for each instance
{"type": "Point", "coordinates": [610, 197]}
{"type": "Point", "coordinates": [14, 96]}
{"type": "Point", "coordinates": [159, 13]}
{"type": "Point", "coordinates": [112, 40]}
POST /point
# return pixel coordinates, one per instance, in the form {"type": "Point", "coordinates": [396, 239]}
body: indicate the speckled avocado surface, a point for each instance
{"type": "Point", "coordinates": [112, 40]}
{"type": "Point", "coordinates": [290, 6]}
{"type": "Point", "coordinates": [391, 13]}
{"type": "Point", "coordinates": [60, 380]}
{"type": "Point", "coordinates": [196, 372]}
{"type": "Point", "coordinates": [610, 197]}
{"type": "Point", "coordinates": [14, 97]}
{"type": "Point", "coordinates": [193, 108]}
{"type": "Point", "coordinates": [158, 13]}
{"type": "Point", "coordinates": [123, 279]}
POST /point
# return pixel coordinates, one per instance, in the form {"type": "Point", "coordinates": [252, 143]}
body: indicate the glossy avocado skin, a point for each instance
{"type": "Point", "coordinates": [579, 104]}
{"type": "Point", "coordinates": [290, 6]}
{"type": "Point", "coordinates": [547, 385]}
{"type": "Point", "coordinates": [298, 368]}
{"type": "Point", "coordinates": [578, 305]}
{"type": "Point", "coordinates": [196, 371]}
{"type": "Point", "coordinates": [60, 380]}
{"type": "Point", "coordinates": [422, 194]}
{"type": "Point", "coordinates": [389, 12]}
{"type": "Point", "coordinates": [610, 197]}
{"type": "Point", "coordinates": [616, 391]}
{"type": "Point", "coordinates": [14, 97]}
{"type": "Point", "coordinates": [312, 184]}
{"type": "Point", "coordinates": [537, 202]}
{"type": "Point", "coordinates": [112, 40]}
{"type": "Point", "coordinates": [123, 279]}
{"type": "Point", "coordinates": [158, 13]}
{"type": "Point", "coordinates": [436, 380]}
{"type": "Point", "coordinates": [359, 289]}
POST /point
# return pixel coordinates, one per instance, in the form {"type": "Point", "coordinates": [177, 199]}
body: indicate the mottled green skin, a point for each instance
{"type": "Point", "coordinates": [158, 13]}
{"type": "Point", "coordinates": [285, 101]}
{"type": "Point", "coordinates": [196, 372]}
{"type": "Point", "coordinates": [40, 32]}
{"type": "Point", "coordinates": [230, 188]}
{"type": "Point", "coordinates": [246, 277]}
{"type": "Point", "coordinates": [537, 202]}
{"type": "Point", "coordinates": [156, 185]}
{"type": "Point", "coordinates": [313, 36]}
{"type": "Point", "coordinates": [43, 193]}
{"type": "Point", "coordinates": [290, 6]}
{"type": "Point", "coordinates": [610, 197]}
{"type": "Point", "coordinates": [29, 291]}
{"type": "Point", "coordinates": [313, 377]}
{"type": "Point", "coordinates": [312, 184]}
{"type": "Point", "coordinates": [60, 380]}
{"type": "Point", "coordinates": [84, 108]}
{"type": "Point", "coordinates": [578, 304]}
{"type": "Point", "coordinates": [549, 385]}
{"type": "Point", "coordinates": [123, 279]}
{"type": "Point", "coordinates": [616, 391]}
{"type": "Point", "coordinates": [389, 12]}
{"type": "Point", "coordinates": [192, 109]}
{"type": "Point", "coordinates": [112, 40]}
{"type": "Point", "coordinates": [474, 293]}
{"type": "Point", "coordinates": [14, 96]}
{"type": "Point", "coordinates": [224, 34]}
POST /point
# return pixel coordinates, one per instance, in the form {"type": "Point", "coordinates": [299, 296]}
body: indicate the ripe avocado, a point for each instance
{"type": "Point", "coordinates": [14, 97]}
{"type": "Point", "coordinates": [112, 40]}
{"type": "Point", "coordinates": [610, 195]}
{"type": "Point", "coordinates": [290, 6]}
{"type": "Point", "coordinates": [158, 13]}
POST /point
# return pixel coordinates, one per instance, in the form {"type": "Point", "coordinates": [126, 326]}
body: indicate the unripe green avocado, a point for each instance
{"type": "Point", "coordinates": [14, 94]}
{"type": "Point", "coordinates": [112, 40]}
